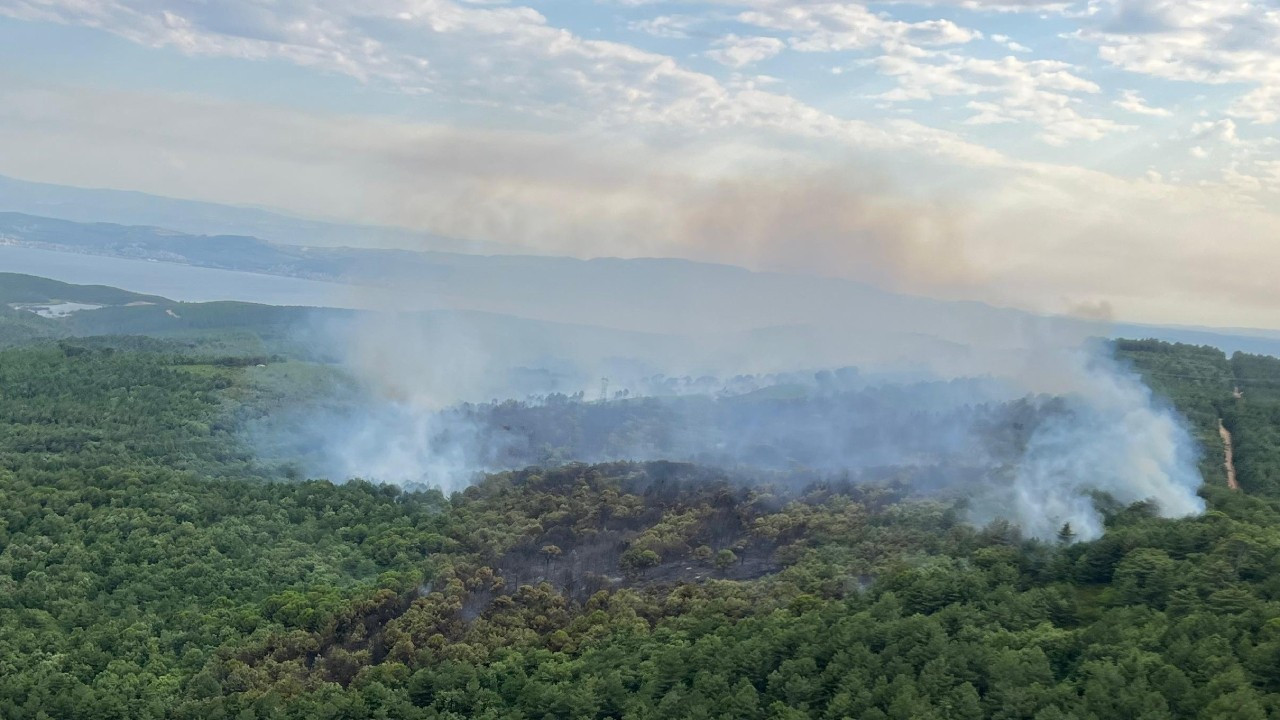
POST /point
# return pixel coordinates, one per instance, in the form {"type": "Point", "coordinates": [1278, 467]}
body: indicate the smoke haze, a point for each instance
{"type": "Point", "coordinates": [1030, 420]}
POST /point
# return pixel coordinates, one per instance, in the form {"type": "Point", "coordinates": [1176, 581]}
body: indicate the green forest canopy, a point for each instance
{"type": "Point", "coordinates": [150, 567]}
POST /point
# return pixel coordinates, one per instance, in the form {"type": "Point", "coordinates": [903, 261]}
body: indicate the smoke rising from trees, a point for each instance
{"type": "Point", "coordinates": [1050, 426]}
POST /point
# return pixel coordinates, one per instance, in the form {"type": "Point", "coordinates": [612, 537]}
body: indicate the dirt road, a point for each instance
{"type": "Point", "coordinates": [1231, 463]}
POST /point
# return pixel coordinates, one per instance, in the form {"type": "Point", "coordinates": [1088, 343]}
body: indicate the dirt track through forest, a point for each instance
{"type": "Point", "coordinates": [1230, 463]}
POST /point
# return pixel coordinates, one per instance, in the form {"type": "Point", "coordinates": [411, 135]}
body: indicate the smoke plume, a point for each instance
{"type": "Point", "coordinates": [1031, 423]}
{"type": "Point", "coordinates": [1112, 438]}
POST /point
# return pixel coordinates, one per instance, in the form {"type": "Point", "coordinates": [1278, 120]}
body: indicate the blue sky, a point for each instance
{"type": "Point", "coordinates": [1092, 156]}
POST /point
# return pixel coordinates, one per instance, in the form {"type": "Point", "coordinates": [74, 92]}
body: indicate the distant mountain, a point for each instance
{"type": "Point", "coordinates": [647, 295]}
{"type": "Point", "coordinates": [227, 252]}
{"type": "Point", "coordinates": [126, 207]}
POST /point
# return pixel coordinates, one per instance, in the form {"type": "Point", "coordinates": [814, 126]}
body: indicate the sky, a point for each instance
{"type": "Point", "coordinates": [1104, 158]}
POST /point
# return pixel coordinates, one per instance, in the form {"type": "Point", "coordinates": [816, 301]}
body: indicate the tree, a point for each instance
{"type": "Point", "coordinates": [549, 553]}
{"type": "Point", "coordinates": [639, 561]}
{"type": "Point", "coordinates": [725, 559]}
{"type": "Point", "coordinates": [1145, 577]}
{"type": "Point", "coordinates": [1065, 534]}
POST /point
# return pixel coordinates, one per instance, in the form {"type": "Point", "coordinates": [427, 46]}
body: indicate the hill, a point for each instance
{"type": "Point", "coordinates": [28, 289]}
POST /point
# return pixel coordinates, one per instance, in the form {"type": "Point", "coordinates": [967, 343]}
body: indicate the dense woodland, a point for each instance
{"type": "Point", "coordinates": [152, 567]}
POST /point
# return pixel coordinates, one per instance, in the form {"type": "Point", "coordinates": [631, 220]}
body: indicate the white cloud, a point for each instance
{"type": "Point", "coordinates": [1040, 92]}
{"type": "Point", "coordinates": [305, 34]}
{"type": "Point", "coordinates": [738, 52]}
{"type": "Point", "coordinates": [666, 26]}
{"type": "Point", "coordinates": [1242, 167]}
{"type": "Point", "coordinates": [505, 58]}
{"type": "Point", "coordinates": [1008, 42]}
{"type": "Point", "coordinates": [1260, 105]}
{"type": "Point", "coordinates": [995, 6]}
{"type": "Point", "coordinates": [477, 54]}
{"type": "Point", "coordinates": [1000, 6]}
{"type": "Point", "coordinates": [1223, 130]}
{"type": "Point", "coordinates": [1204, 41]}
{"type": "Point", "coordinates": [1131, 101]}
{"type": "Point", "coordinates": [1009, 90]}
{"type": "Point", "coordinates": [831, 26]}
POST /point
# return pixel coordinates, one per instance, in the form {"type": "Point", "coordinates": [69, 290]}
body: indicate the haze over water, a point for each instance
{"type": "Point", "coordinates": [187, 283]}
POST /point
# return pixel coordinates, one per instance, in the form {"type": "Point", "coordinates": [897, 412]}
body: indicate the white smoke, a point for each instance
{"type": "Point", "coordinates": [1109, 437]}
{"type": "Point", "coordinates": [1112, 439]}
{"type": "Point", "coordinates": [390, 426]}
{"type": "Point", "coordinates": [401, 444]}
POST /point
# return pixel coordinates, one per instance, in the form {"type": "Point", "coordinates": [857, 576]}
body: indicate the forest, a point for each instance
{"type": "Point", "coordinates": [153, 566]}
